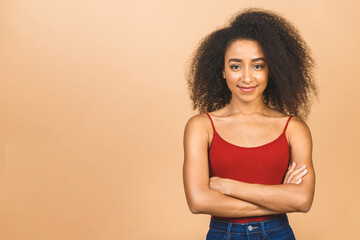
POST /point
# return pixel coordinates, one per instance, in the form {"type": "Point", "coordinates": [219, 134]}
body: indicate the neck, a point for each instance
{"type": "Point", "coordinates": [247, 108]}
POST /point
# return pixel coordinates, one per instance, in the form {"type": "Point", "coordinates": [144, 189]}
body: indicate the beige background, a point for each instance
{"type": "Point", "coordinates": [93, 105]}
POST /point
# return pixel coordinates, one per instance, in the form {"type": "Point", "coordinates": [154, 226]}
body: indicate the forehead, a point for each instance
{"type": "Point", "coordinates": [244, 49]}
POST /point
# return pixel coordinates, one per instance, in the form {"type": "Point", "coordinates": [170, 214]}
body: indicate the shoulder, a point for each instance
{"type": "Point", "coordinates": [297, 124]}
{"type": "Point", "coordinates": [298, 131]}
{"type": "Point", "coordinates": [293, 121]}
{"type": "Point", "coordinates": [198, 124]}
{"type": "Point", "coordinates": [197, 121]}
{"type": "Point", "coordinates": [196, 133]}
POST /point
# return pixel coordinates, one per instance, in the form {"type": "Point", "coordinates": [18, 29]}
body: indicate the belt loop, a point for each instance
{"type": "Point", "coordinates": [263, 230]}
{"type": "Point", "coordinates": [227, 235]}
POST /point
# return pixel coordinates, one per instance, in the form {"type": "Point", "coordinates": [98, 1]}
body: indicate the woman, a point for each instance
{"type": "Point", "coordinates": [248, 153]}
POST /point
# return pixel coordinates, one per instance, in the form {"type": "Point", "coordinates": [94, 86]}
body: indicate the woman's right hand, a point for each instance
{"type": "Point", "coordinates": [295, 175]}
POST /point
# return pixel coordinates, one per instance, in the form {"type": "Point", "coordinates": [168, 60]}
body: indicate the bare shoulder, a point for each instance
{"type": "Point", "coordinates": [297, 124]}
{"type": "Point", "coordinates": [197, 127]}
{"type": "Point", "coordinates": [196, 142]}
{"type": "Point", "coordinates": [298, 131]}
{"type": "Point", "coordinates": [198, 121]}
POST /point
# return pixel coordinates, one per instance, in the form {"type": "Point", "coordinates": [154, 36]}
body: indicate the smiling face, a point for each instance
{"type": "Point", "coordinates": [245, 70]}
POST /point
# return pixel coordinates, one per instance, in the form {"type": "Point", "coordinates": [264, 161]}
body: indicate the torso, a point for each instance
{"type": "Point", "coordinates": [251, 149]}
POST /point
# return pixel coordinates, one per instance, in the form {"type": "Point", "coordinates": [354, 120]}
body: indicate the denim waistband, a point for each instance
{"type": "Point", "coordinates": [250, 227]}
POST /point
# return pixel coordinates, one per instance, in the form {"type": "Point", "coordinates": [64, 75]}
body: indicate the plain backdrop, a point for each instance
{"type": "Point", "coordinates": [93, 105]}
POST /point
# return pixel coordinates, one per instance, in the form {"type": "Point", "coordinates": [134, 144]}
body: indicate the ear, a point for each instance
{"type": "Point", "coordinates": [223, 73]}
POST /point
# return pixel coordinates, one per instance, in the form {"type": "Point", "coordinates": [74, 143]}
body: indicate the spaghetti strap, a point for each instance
{"type": "Point", "coordinates": [212, 124]}
{"type": "Point", "coordinates": [287, 123]}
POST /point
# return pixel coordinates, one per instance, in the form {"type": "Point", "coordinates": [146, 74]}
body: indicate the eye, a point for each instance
{"type": "Point", "coordinates": [235, 67]}
{"type": "Point", "coordinates": [258, 66]}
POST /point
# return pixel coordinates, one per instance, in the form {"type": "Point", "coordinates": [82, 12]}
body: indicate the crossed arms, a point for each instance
{"type": "Point", "coordinates": [229, 198]}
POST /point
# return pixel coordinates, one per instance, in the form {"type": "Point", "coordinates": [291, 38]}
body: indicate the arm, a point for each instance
{"type": "Point", "coordinates": [282, 197]}
{"type": "Point", "coordinates": [199, 196]}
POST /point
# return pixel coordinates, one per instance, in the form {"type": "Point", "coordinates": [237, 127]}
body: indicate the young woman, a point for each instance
{"type": "Point", "coordinates": [248, 153]}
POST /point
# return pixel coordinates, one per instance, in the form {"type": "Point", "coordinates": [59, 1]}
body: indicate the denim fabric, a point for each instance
{"type": "Point", "coordinates": [272, 229]}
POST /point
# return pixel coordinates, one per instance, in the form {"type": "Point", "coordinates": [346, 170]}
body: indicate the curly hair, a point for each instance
{"type": "Point", "coordinates": [291, 84]}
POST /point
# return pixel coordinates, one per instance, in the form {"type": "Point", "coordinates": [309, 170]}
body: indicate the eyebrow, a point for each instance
{"type": "Point", "coordinates": [252, 60]}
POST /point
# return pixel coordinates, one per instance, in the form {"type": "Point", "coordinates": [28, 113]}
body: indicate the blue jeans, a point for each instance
{"type": "Point", "coordinates": [272, 229]}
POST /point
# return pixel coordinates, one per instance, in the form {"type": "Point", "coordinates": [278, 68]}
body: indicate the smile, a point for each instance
{"type": "Point", "coordinates": [247, 89]}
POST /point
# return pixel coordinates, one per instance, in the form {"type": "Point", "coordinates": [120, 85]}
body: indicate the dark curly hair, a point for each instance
{"type": "Point", "coordinates": [291, 84]}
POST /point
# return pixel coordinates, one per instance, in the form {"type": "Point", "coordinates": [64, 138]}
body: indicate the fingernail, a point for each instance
{"type": "Point", "coordinates": [305, 171]}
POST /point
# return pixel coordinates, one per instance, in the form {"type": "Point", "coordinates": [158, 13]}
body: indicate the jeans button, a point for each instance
{"type": "Point", "coordinates": [250, 228]}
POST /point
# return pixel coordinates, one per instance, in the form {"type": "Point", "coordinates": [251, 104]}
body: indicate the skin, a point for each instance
{"type": "Point", "coordinates": [246, 121]}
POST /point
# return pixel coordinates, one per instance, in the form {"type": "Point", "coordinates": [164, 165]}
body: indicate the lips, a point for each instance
{"type": "Point", "coordinates": [247, 89]}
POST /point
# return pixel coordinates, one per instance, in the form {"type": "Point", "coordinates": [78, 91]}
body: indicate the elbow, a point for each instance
{"type": "Point", "coordinates": [196, 207]}
{"type": "Point", "coordinates": [196, 204]}
{"type": "Point", "coordinates": [304, 205]}
{"type": "Point", "coordinates": [193, 206]}
{"type": "Point", "coordinates": [305, 208]}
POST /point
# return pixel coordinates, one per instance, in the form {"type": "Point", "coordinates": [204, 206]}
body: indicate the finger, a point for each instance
{"type": "Point", "coordinates": [298, 181]}
{"type": "Point", "coordinates": [293, 165]}
{"type": "Point", "coordinates": [295, 172]}
{"type": "Point", "coordinates": [290, 169]}
{"type": "Point", "coordinates": [288, 173]}
{"type": "Point", "coordinates": [299, 176]}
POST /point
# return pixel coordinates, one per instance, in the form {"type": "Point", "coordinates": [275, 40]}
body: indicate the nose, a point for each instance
{"type": "Point", "coordinates": [246, 77]}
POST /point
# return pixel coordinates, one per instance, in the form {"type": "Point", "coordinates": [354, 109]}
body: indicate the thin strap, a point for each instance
{"type": "Point", "coordinates": [287, 123]}
{"type": "Point", "coordinates": [212, 124]}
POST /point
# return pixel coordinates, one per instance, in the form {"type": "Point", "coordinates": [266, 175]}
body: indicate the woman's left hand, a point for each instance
{"type": "Point", "coordinates": [295, 175]}
{"type": "Point", "coordinates": [219, 184]}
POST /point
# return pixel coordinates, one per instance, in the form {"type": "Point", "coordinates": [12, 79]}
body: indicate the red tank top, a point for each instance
{"type": "Point", "coordinates": [264, 164]}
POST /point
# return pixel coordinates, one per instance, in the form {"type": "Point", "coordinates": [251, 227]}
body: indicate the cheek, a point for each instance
{"type": "Point", "coordinates": [233, 75]}
{"type": "Point", "coordinates": [262, 77]}
{"type": "Point", "coordinates": [264, 84]}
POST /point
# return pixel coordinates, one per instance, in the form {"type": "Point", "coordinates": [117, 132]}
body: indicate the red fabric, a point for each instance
{"type": "Point", "coordinates": [265, 164]}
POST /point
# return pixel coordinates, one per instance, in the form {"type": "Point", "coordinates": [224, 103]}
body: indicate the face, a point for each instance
{"type": "Point", "coordinates": [246, 70]}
